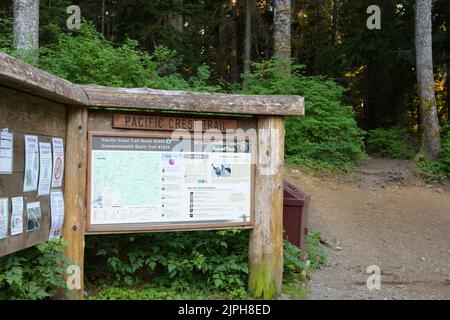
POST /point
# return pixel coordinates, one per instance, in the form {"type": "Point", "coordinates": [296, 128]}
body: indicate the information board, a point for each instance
{"type": "Point", "coordinates": [153, 182]}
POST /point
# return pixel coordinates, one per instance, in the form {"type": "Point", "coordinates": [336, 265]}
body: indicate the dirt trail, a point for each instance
{"type": "Point", "coordinates": [380, 214]}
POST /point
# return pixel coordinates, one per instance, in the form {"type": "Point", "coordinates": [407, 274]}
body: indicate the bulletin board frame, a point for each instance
{"type": "Point", "coordinates": [164, 226]}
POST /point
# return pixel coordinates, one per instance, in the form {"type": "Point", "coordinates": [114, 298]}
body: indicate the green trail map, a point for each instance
{"type": "Point", "coordinates": [125, 179]}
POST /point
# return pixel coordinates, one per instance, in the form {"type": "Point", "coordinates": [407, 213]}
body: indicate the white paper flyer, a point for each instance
{"type": "Point", "coordinates": [30, 180]}
{"type": "Point", "coordinates": [45, 153]}
{"type": "Point", "coordinates": [4, 214]}
{"type": "Point", "coordinates": [57, 211]}
{"type": "Point", "coordinates": [6, 152]}
{"type": "Point", "coordinates": [17, 216]}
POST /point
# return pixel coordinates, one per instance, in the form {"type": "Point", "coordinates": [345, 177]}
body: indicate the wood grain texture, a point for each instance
{"type": "Point", "coordinates": [30, 114]}
{"type": "Point", "coordinates": [266, 239]}
{"type": "Point", "coordinates": [75, 189]}
{"type": "Point", "coordinates": [145, 98]}
{"type": "Point", "coordinates": [25, 114]}
{"type": "Point", "coordinates": [22, 76]}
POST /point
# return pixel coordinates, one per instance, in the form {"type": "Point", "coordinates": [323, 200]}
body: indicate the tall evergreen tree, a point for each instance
{"type": "Point", "coordinates": [26, 26]}
{"type": "Point", "coordinates": [282, 29]}
{"type": "Point", "coordinates": [430, 148]}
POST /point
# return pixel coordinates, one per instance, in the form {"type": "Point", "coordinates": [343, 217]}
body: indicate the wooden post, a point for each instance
{"type": "Point", "coordinates": [75, 194]}
{"type": "Point", "coordinates": [266, 239]}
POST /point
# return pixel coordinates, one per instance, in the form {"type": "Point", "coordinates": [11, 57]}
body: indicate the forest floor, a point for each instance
{"type": "Point", "coordinates": [384, 214]}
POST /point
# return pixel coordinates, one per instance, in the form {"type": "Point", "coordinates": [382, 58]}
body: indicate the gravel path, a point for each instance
{"type": "Point", "coordinates": [380, 214]}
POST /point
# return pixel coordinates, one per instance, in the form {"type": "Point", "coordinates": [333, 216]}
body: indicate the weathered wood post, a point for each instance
{"type": "Point", "coordinates": [266, 239]}
{"type": "Point", "coordinates": [75, 197]}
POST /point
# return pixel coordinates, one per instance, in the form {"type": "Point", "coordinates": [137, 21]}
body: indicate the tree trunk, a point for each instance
{"type": "Point", "coordinates": [103, 17]}
{"type": "Point", "coordinates": [430, 149]}
{"type": "Point", "coordinates": [335, 35]}
{"type": "Point", "coordinates": [176, 19]}
{"type": "Point", "coordinates": [234, 68]}
{"type": "Point", "coordinates": [282, 29]}
{"type": "Point", "coordinates": [26, 27]}
{"type": "Point", "coordinates": [249, 7]}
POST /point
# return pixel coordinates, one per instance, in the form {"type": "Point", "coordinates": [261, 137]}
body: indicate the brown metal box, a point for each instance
{"type": "Point", "coordinates": [295, 215]}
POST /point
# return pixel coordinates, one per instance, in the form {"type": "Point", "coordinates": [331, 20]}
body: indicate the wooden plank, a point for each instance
{"type": "Point", "coordinates": [75, 189]}
{"type": "Point", "coordinates": [102, 120]}
{"type": "Point", "coordinates": [20, 75]}
{"type": "Point", "coordinates": [266, 239]}
{"type": "Point", "coordinates": [151, 121]}
{"type": "Point", "coordinates": [24, 77]}
{"type": "Point", "coordinates": [30, 114]}
{"type": "Point", "coordinates": [144, 98]}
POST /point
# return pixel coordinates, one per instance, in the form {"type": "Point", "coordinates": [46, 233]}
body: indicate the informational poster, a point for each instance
{"type": "Point", "coordinates": [152, 180]}
{"type": "Point", "coordinates": [17, 216]}
{"type": "Point", "coordinates": [58, 162]}
{"type": "Point", "coordinates": [4, 214]}
{"type": "Point", "coordinates": [6, 152]}
{"type": "Point", "coordinates": [31, 175]}
{"type": "Point", "coordinates": [57, 211]}
{"type": "Point", "coordinates": [33, 216]}
{"type": "Point", "coordinates": [45, 177]}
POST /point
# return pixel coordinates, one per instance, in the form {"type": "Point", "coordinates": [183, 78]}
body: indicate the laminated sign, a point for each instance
{"type": "Point", "coordinates": [161, 181]}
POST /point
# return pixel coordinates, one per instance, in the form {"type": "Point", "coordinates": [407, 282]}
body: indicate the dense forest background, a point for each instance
{"type": "Point", "coordinates": [360, 86]}
{"type": "Point", "coordinates": [329, 38]}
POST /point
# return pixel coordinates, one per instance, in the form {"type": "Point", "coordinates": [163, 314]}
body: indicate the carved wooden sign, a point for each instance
{"type": "Point", "coordinates": [167, 123]}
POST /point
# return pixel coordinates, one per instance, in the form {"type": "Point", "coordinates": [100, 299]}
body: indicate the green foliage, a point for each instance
{"type": "Point", "coordinates": [149, 292]}
{"type": "Point", "coordinates": [316, 255]}
{"type": "Point", "coordinates": [328, 135]}
{"type": "Point", "coordinates": [293, 259]}
{"type": "Point", "coordinates": [217, 260]}
{"type": "Point", "coordinates": [33, 274]}
{"type": "Point", "coordinates": [6, 38]}
{"type": "Point", "coordinates": [86, 57]}
{"type": "Point", "coordinates": [298, 261]}
{"type": "Point", "coordinates": [445, 162]}
{"type": "Point", "coordinates": [392, 143]}
{"type": "Point", "coordinates": [440, 170]}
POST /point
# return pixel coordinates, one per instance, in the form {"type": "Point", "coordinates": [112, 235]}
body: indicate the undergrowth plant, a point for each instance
{"type": "Point", "coordinates": [393, 143]}
{"type": "Point", "coordinates": [214, 259]}
{"type": "Point", "coordinates": [33, 274]}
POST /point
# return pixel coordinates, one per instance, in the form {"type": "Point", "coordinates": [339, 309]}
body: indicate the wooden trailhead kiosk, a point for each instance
{"type": "Point", "coordinates": [81, 160]}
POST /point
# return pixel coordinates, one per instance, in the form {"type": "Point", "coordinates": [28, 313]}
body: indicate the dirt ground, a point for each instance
{"type": "Point", "coordinates": [380, 214]}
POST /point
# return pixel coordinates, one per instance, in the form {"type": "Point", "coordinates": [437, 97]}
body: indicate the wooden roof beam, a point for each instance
{"type": "Point", "coordinates": [24, 77]}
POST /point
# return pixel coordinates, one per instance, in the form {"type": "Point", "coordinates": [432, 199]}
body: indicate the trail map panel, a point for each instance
{"type": "Point", "coordinates": [155, 182]}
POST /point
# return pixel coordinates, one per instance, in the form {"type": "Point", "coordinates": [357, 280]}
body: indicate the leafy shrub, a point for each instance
{"type": "Point", "coordinates": [297, 260]}
{"type": "Point", "coordinates": [439, 170]}
{"type": "Point", "coordinates": [316, 255]}
{"type": "Point", "coordinates": [392, 143]}
{"type": "Point", "coordinates": [328, 135]}
{"type": "Point", "coordinates": [34, 273]}
{"type": "Point", "coordinates": [6, 38]}
{"type": "Point", "coordinates": [85, 57]}
{"type": "Point", "coordinates": [149, 292]}
{"type": "Point", "coordinates": [445, 162]}
{"type": "Point", "coordinates": [217, 259]}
